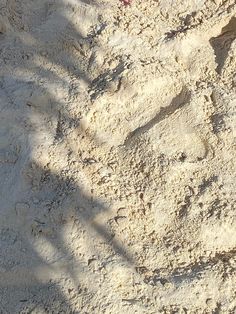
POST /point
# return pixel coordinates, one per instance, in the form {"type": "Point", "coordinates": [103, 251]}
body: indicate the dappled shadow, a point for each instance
{"type": "Point", "coordinates": [36, 200]}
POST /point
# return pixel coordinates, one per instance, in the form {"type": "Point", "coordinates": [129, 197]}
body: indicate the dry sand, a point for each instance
{"type": "Point", "coordinates": [117, 156]}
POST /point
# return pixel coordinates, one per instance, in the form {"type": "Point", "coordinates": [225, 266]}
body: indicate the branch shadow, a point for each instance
{"type": "Point", "coordinates": [32, 227]}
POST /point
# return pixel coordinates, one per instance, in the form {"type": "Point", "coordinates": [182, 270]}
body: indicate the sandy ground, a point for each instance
{"type": "Point", "coordinates": [117, 156]}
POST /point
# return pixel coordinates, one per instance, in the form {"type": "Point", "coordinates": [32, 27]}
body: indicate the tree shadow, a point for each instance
{"type": "Point", "coordinates": [36, 206]}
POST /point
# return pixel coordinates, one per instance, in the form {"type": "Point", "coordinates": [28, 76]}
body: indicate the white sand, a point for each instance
{"type": "Point", "coordinates": [117, 156]}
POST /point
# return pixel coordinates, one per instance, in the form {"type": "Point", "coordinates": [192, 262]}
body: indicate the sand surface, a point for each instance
{"type": "Point", "coordinates": [117, 156]}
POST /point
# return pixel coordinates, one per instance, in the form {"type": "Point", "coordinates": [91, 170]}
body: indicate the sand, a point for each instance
{"type": "Point", "coordinates": [117, 156]}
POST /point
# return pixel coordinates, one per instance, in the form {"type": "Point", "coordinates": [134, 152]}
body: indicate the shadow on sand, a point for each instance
{"type": "Point", "coordinates": [36, 199]}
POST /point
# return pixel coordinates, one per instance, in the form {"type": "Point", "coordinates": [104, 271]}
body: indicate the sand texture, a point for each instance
{"type": "Point", "coordinates": [117, 157]}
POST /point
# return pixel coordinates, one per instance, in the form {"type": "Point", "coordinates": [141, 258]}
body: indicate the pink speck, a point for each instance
{"type": "Point", "coordinates": [126, 2]}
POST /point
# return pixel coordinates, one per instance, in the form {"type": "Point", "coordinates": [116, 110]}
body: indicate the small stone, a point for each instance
{"type": "Point", "coordinates": [209, 302]}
